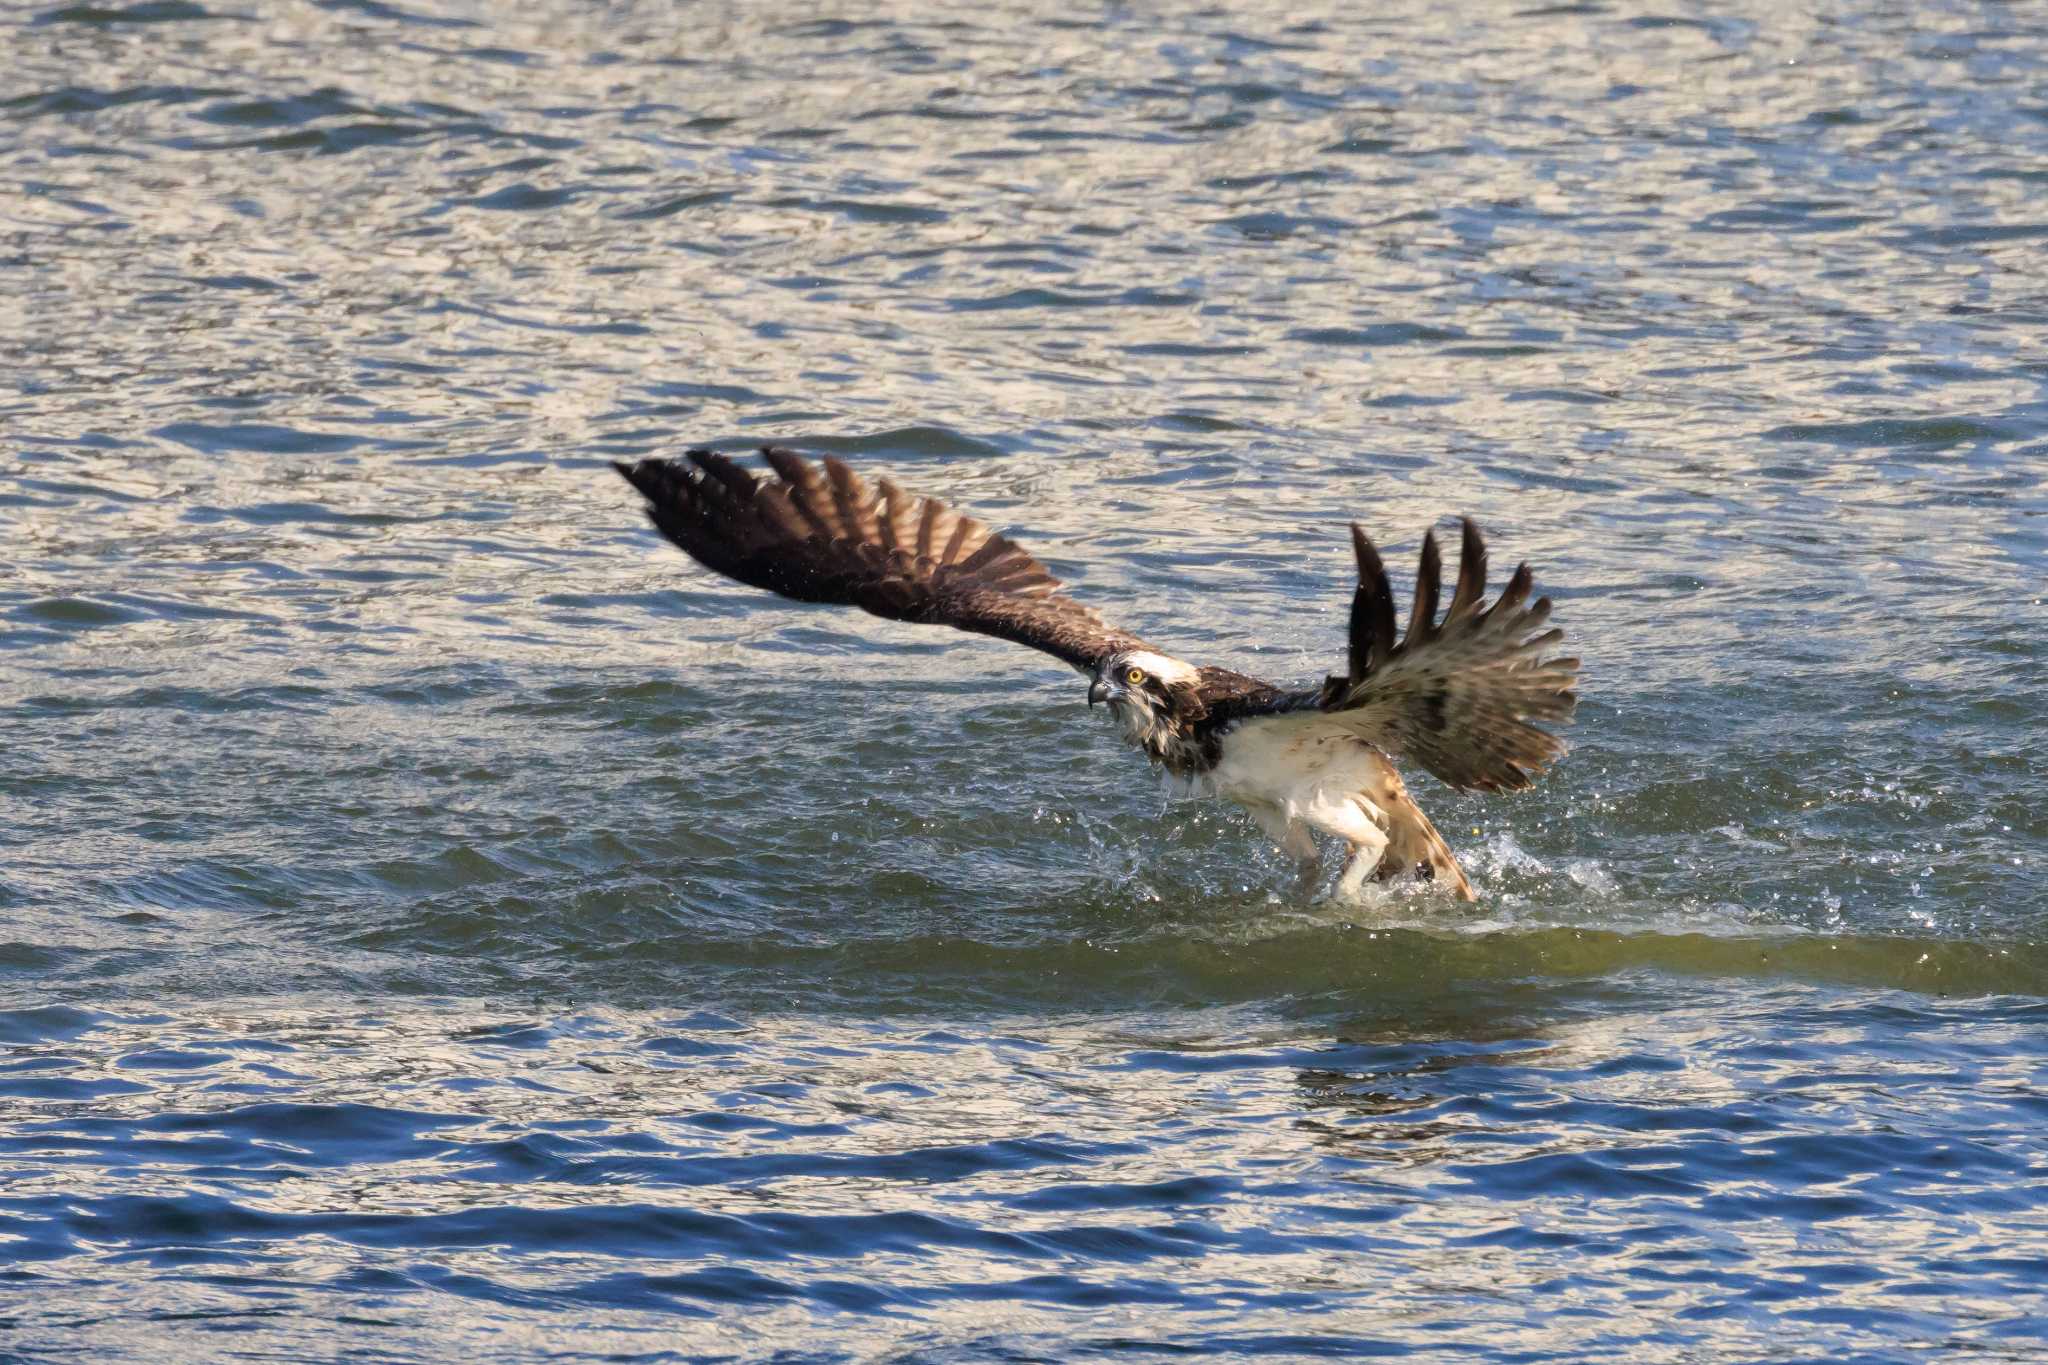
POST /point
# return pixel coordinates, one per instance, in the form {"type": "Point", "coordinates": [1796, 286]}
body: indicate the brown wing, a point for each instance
{"type": "Point", "coordinates": [822, 535]}
{"type": "Point", "coordinates": [1463, 696]}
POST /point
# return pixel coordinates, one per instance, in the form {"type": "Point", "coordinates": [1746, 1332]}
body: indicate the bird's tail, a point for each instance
{"type": "Point", "coordinates": [1415, 848]}
{"type": "Point", "coordinates": [1411, 847]}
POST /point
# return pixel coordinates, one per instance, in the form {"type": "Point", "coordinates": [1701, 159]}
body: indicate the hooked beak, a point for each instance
{"type": "Point", "coordinates": [1098, 691]}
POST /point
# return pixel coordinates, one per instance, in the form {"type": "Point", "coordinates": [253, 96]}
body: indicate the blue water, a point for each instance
{"type": "Point", "coordinates": [438, 922]}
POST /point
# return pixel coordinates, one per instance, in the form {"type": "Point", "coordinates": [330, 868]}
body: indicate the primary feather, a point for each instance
{"type": "Point", "coordinates": [828, 537]}
{"type": "Point", "coordinates": [1463, 696]}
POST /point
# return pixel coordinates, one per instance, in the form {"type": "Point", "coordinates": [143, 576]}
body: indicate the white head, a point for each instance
{"type": "Point", "coordinates": [1139, 687]}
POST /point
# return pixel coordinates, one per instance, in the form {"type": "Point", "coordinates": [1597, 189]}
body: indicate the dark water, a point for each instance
{"type": "Point", "coordinates": [437, 923]}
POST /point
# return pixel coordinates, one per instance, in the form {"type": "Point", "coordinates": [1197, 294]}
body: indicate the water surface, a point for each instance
{"type": "Point", "coordinates": [437, 921]}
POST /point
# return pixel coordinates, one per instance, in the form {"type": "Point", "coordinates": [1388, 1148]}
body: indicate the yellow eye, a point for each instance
{"type": "Point", "coordinates": [1134, 676]}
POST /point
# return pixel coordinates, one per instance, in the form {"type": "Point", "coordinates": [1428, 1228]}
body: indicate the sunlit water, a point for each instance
{"type": "Point", "coordinates": [437, 922]}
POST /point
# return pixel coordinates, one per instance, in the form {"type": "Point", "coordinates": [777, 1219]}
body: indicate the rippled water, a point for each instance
{"type": "Point", "coordinates": [436, 921]}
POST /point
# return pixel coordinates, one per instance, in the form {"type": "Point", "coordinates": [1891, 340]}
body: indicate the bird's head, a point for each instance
{"type": "Point", "coordinates": [1141, 689]}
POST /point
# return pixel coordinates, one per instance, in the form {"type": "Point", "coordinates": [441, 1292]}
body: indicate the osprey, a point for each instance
{"type": "Point", "coordinates": [1461, 696]}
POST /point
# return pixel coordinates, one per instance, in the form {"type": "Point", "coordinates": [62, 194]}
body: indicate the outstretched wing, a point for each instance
{"type": "Point", "coordinates": [822, 535]}
{"type": "Point", "coordinates": [1463, 696]}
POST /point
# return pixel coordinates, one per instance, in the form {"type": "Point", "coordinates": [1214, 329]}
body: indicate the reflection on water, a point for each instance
{"type": "Point", "coordinates": [464, 1178]}
{"type": "Point", "coordinates": [436, 919]}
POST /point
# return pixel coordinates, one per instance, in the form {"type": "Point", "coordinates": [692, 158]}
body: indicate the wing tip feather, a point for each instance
{"type": "Point", "coordinates": [1487, 658]}
{"type": "Point", "coordinates": [815, 531]}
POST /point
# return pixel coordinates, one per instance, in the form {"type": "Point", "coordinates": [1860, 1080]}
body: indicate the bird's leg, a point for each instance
{"type": "Point", "coordinates": [1309, 872]}
{"type": "Point", "coordinates": [1348, 819]}
{"type": "Point", "coordinates": [1357, 867]}
{"type": "Point", "coordinates": [1297, 841]}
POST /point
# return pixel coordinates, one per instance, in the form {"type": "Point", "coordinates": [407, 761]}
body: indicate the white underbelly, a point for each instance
{"type": "Point", "coordinates": [1303, 772]}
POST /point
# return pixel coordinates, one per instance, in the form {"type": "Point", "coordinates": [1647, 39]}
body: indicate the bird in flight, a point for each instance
{"type": "Point", "coordinates": [1463, 696]}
